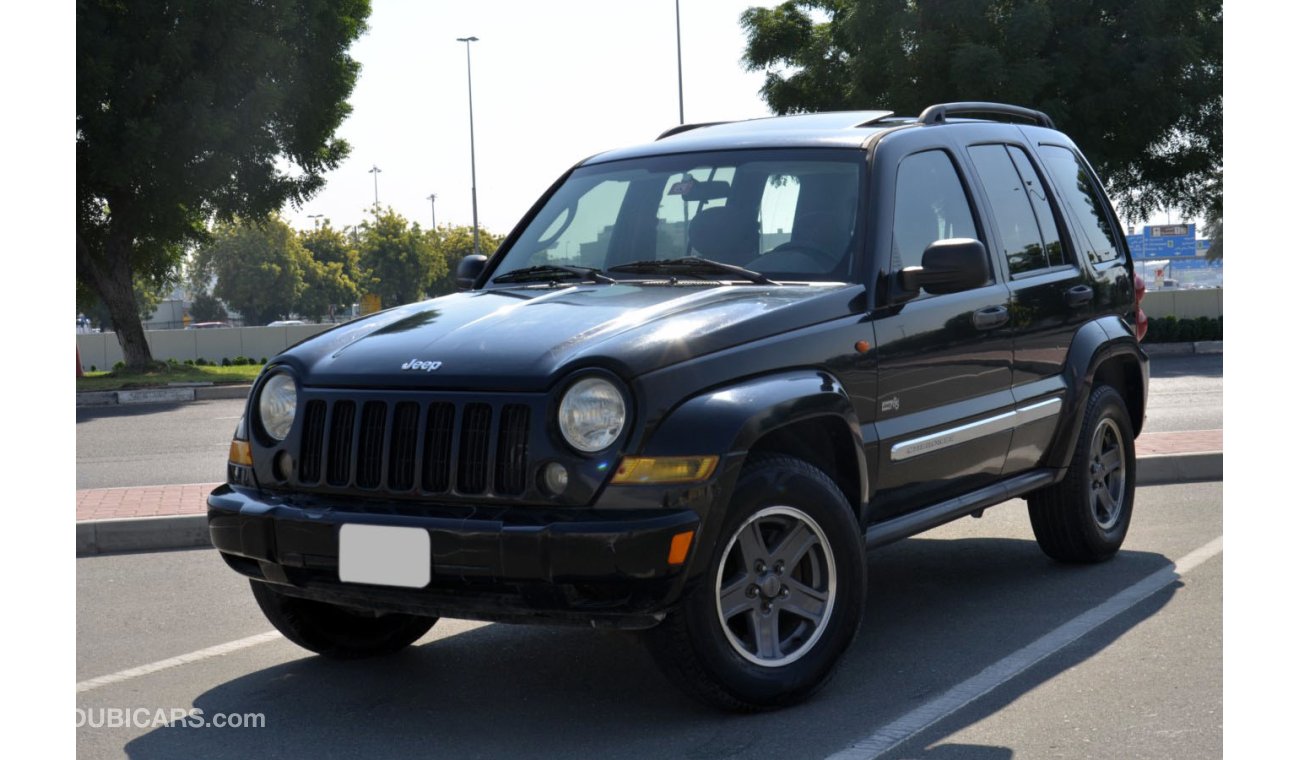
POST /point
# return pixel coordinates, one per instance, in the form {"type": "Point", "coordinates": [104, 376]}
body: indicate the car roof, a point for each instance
{"type": "Point", "coordinates": [835, 129]}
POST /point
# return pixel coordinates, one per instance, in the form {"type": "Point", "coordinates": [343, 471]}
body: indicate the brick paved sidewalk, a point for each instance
{"type": "Point", "coordinates": [189, 499]}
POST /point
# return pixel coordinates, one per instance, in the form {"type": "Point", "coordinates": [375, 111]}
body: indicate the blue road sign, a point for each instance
{"type": "Point", "coordinates": [1167, 241]}
{"type": "Point", "coordinates": [1137, 245]}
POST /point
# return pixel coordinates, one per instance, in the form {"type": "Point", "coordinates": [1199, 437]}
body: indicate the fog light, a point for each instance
{"type": "Point", "coordinates": [555, 477]}
{"type": "Point", "coordinates": [283, 465]}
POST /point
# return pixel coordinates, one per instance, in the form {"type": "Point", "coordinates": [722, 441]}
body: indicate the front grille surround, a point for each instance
{"type": "Point", "coordinates": [406, 444]}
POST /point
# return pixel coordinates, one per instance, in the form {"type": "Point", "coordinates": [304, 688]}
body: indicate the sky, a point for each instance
{"type": "Point", "coordinates": [554, 83]}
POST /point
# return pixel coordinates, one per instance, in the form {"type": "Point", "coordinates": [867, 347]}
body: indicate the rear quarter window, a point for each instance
{"type": "Point", "coordinates": [1083, 205]}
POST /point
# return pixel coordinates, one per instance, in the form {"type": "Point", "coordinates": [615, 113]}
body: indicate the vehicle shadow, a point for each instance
{"type": "Point", "coordinates": [939, 612]}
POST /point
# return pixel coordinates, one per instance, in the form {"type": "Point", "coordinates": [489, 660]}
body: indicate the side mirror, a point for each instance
{"type": "Point", "coordinates": [948, 266]}
{"type": "Point", "coordinates": [469, 269]}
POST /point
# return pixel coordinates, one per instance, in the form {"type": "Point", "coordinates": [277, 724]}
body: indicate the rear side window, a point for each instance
{"type": "Point", "coordinates": [929, 204]}
{"type": "Point", "coordinates": [1081, 204]}
{"type": "Point", "coordinates": [1030, 238]}
{"type": "Point", "coordinates": [1022, 241]}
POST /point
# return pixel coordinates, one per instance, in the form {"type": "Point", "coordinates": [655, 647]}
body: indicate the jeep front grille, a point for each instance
{"type": "Point", "coordinates": [412, 447]}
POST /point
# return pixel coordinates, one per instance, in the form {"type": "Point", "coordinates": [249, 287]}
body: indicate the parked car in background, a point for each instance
{"type": "Point", "coordinates": [284, 322]}
{"type": "Point", "coordinates": [207, 325]}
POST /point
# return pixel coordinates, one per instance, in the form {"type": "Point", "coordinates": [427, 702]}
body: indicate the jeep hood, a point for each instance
{"type": "Point", "coordinates": [527, 338]}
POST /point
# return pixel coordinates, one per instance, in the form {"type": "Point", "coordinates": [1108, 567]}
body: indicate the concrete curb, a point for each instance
{"type": "Point", "coordinates": [162, 395]}
{"type": "Point", "coordinates": [136, 534]}
{"type": "Point", "coordinates": [133, 534]}
{"type": "Point", "coordinates": [1163, 469]}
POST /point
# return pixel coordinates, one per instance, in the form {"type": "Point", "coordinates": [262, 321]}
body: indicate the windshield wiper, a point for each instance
{"type": "Point", "coordinates": [552, 272]}
{"type": "Point", "coordinates": [693, 267]}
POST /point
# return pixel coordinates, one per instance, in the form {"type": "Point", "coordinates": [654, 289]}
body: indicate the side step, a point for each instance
{"type": "Point", "coordinates": [903, 526]}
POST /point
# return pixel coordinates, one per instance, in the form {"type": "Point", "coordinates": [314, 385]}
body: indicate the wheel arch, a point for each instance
{"type": "Point", "coordinates": [1105, 352]}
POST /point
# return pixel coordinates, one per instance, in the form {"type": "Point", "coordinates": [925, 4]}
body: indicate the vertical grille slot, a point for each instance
{"type": "Point", "coordinates": [475, 438]}
{"type": "Point", "coordinates": [313, 440]}
{"type": "Point", "coordinates": [370, 450]}
{"type": "Point", "coordinates": [437, 448]}
{"type": "Point", "coordinates": [401, 453]}
{"type": "Point", "coordinates": [340, 456]}
{"type": "Point", "coordinates": [512, 450]}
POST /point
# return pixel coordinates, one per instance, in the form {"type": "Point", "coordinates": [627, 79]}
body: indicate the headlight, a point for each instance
{"type": "Point", "coordinates": [592, 414]}
{"type": "Point", "coordinates": [277, 405]}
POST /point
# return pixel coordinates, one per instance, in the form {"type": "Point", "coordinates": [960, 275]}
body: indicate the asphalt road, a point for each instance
{"type": "Point", "coordinates": [957, 603]}
{"type": "Point", "coordinates": [158, 444]}
{"type": "Point", "coordinates": [1186, 393]}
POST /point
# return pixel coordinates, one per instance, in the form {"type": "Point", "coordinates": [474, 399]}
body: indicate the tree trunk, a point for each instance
{"type": "Point", "coordinates": [112, 279]}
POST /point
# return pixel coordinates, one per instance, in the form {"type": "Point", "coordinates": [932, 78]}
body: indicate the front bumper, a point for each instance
{"type": "Point", "coordinates": [515, 564]}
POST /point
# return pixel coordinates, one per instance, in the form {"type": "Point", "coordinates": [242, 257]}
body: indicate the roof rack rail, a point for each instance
{"type": "Point", "coordinates": [938, 113]}
{"type": "Point", "coordinates": [677, 130]}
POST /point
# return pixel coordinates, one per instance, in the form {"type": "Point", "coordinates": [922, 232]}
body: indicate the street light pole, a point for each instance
{"type": "Point", "coordinates": [473, 175]}
{"type": "Point", "coordinates": [317, 218]}
{"type": "Point", "coordinates": [433, 210]}
{"type": "Point", "coordinates": [375, 170]}
{"type": "Point", "coordinates": [681, 103]}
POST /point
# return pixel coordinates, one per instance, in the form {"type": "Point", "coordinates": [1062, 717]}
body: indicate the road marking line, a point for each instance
{"type": "Point", "coordinates": [171, 662]}
{"type": "Point", "coordinates": [890, 736]}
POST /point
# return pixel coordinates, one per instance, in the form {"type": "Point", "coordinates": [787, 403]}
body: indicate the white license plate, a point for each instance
{"type": "Point", "coordinates": [384, 555]}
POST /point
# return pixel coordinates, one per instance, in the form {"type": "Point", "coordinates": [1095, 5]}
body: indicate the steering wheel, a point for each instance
{"type": "Point", "coordinates": [821, 255]}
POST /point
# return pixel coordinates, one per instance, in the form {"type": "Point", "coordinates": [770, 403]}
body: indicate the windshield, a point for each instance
{"type": "Point", "coordinates": [787, 214]}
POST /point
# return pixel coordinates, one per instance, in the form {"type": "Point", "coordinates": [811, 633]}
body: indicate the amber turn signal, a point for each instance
{"type": "Point", "coordinates": [240, 453]}
{"type": "Point", "coordinates": [680, 547]}
{"type": "Point", "coordinates": [643, 470]}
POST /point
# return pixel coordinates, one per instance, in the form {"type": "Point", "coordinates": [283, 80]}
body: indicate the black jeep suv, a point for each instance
{"type": "Point", "coordinates": [695, 385]}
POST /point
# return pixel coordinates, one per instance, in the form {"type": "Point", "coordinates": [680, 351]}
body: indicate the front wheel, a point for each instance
{"type": "Point", "coordinates": [781, 598]}
{"type": "Point", "coordinates": [338, 632]}
{"type": "Point", "coordinates": [1085, 517]}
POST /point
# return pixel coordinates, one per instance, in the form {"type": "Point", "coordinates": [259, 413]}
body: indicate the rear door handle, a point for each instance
{"type": "Point", "coordinates": [1079, 295]}
{"type": "Point", "coordinates": [991, 317]}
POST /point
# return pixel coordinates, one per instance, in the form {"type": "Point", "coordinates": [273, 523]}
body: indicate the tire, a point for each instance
{"type": "Point", "coordinates": [764, 626]}
{"type": "Point", "coordinates": [1085, 517]}
{"type": "Point", "coordinates": [338, 632]}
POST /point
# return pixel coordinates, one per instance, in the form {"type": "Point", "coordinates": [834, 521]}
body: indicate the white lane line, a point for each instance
{"type": "Point", "coordinates": [171, 662]}
{"type": "Point", "coordinates": [894, 734]}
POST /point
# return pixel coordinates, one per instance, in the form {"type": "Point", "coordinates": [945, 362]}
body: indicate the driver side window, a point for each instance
{"type": "Point", "coordinates": [929, 204]}
{"type": "Point", "coordinates": [580, 236]}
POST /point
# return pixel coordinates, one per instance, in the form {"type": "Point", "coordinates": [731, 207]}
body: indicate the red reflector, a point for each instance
{"type": "Point", "coordinates": [1140, 288]}
{"type": "Point", "coordinates": [1141, 325]}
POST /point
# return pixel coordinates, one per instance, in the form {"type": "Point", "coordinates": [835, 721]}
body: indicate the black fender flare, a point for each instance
{"type": "Point", "coordinates": [728, 420]}
{"type": "Point", "coordinates": [1094, 344]}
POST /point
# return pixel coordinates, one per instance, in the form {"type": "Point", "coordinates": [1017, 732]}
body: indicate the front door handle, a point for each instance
{"type": "Point", "coordinates": [1079, 295]}
{"type": "Point", "coordinates": [991, 317]}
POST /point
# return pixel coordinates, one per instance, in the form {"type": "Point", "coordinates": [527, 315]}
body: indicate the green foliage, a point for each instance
{"type": "Point", "coordinates": [193, 109]}
{"type": "Point", "coordinates": [201, 362]}
{"type": "Point", "coordinates": [452, 244]}
{"type": "Point", "coordinates": [225, 362]}
{"type": "Point", "coordinates": [208, 308]}
{"type": "Point", "coordinates": [1136, 83]}
{"type": "Point", "coordinates": [259, 267]}
{"type": "Point", "coordinates": [334, 275]}
{"type": "Point", "coordinates": [1176, 330]}
{"type": "Point", "coordinates": [399, 258]}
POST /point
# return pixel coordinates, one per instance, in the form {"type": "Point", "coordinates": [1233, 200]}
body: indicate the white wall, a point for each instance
{"type": "Point", "coordinates": [101, 350]}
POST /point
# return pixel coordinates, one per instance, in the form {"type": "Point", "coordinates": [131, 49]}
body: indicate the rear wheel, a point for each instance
{"type": "Point", "coordinates": [335, 631]}
{"type": "Point", "coordinates": [782, 596]}
{"type": "Point", "coordinates": [1085, 517]}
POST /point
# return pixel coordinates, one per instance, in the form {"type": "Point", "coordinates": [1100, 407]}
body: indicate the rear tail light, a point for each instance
{"type": "Point", "coordinates": [1139, 292]}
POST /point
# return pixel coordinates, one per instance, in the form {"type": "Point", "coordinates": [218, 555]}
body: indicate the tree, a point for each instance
{"type": "Point", "coordinates": [399, 257]}
{"type": "Point", "coordinates": [198, 108]}
{"type": "Point", "coordinates": [1136, 83]}
{"type": "Point", "coordinates": [260, 268]}
{"type": "Point", "coordinates": [334, 275]}
{"type": "Point", "coordinates": [208, 308]}
{"type": "Point", "coordinates": [147, 297]}
{"type": "Point", "coordinates": [453, 243]}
